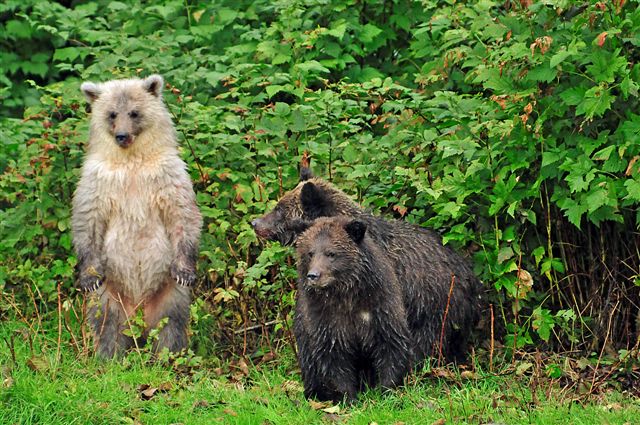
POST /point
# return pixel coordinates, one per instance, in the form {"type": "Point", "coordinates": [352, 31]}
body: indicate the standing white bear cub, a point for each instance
{"type": "Point", "coordinates": [136, 225]}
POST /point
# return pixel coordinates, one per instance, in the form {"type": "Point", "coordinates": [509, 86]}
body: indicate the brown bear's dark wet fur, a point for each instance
{"type": "Point", "coordinates": [350, 323]}
{"type": "Point", "coordinates": [422, 265]}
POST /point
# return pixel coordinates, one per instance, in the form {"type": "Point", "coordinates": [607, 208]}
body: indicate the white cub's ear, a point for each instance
{"type": "Point", "coordinates": [153, 84]}
{"type": "Point", "coordinates": [90, 91]}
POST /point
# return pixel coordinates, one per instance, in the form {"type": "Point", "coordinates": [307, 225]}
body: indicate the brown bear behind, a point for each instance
{"type": "Point", "coordinates": [424, 267]}
{"type": "Point", "coordinates": [350, 324]}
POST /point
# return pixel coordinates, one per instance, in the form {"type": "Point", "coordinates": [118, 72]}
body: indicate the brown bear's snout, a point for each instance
{"type": "Point", "coordinates": [261, 228]}
{"type": "Point", "coordinates": [313, 275]}
{"type": "Point", "coordinates": [123, 139]}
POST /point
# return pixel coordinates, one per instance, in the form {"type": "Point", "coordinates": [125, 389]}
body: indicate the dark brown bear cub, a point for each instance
{"type": "Point", "coordinates": [350, 323]}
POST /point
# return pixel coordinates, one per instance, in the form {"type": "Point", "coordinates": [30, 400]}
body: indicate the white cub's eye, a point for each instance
{"type": "Point", "coordinates": [134, 114]}
{"type": "Point", "coordinates": [112, 115]}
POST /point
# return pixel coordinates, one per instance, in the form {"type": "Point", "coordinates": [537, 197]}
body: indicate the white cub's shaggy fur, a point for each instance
{"type": "Point", "coordinates": [135, 221]}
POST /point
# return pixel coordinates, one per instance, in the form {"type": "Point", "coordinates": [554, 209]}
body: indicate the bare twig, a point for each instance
{"type": "Point", "coordinates": [12, 349]}
{"type": "Point", "coordinates": [604, 345]}
{"type": "Point", "coordinates": [126, 316]}
{"type": "Point", "coordinates": [59, 323]}
{"type": "Point", "coordinates": [492, 347]}
{"type": "Point", "coordinates": [444, 318]}
{"type": "Point", "coordinates": [258, 326]}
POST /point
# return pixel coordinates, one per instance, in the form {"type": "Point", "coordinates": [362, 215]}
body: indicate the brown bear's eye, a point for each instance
{"type": "Point", "coordinates": [331, 254]}
{"type": "Point", "coordinates": [112, 115]}
{"type": "Point", "coordinates": [133, 114]}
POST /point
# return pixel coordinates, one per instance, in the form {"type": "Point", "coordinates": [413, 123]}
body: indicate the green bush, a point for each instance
{"type": "Point", "coordinates": [510, 129]}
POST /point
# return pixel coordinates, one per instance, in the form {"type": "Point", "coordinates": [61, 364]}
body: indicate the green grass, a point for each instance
{"type": "Point", "coordinates": [37, 389]}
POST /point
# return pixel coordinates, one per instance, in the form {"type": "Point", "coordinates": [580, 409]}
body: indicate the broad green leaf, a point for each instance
{"type": "Point", "coordinates": [573, 96]}
{"type": "Point", "coordinates": [542, 73]}
{"type": "Point", "coordinates": [311, 66]}
{"type": "Point", "coordinates": [66, 54]}
{"type": "Point", "coordinates": [543, 322]}
{"type": "Point", "coordinates": [338, 30]}
{"type": "Point", "coordinates": [596, 102]}
{"type": "Point", "coordinates": [369, 32]}
{"type": "Point", "coordinates": [559, 57]}
{"type": "Point", "coordinates": [604, 154]}
{"type": "Point", "coordinates": [550, 157]}
{"type": "Point", "coordinates": [629, 87]}
{"type": "Point", "coordinates": [633, 189]}
{"type": "Point", "coordinates": [605, 65]}
{"type": "Point", "coordinates": [596, 199]}
{"type": "Point", "coordinates": [574, 212]}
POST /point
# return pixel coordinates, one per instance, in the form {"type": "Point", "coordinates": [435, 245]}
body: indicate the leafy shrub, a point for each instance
{"type": "Point", "coordinates": [509, 127]}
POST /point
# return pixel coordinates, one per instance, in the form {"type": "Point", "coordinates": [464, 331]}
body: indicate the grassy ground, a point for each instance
{"type": "Point", "coordinates": [39, 389]}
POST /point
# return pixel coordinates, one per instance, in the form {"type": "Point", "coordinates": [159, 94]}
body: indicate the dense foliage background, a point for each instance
{"type": "Point", "coordinates": [513, 128]}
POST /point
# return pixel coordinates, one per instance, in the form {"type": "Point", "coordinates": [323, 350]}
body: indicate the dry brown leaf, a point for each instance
{"type": "Point", "coordinates": [38, 363]}
{"type": "Point", "coordinates": [8, 382]}
{"type": "Point", "coordinates": [165, 386]}
{"type": "Point", "coordinates": [400, 209]}
{"type": "Point", "coordinates": [332, 417]}
{"type": "Point", "coordinates": [627, 172]}
{"type": "Point", "coordinates": [230, 412]}
{"type": "Point", "coordinates": [292, 387]}
{"type": "Point", "coordinates": [319, 405]}
{"type": "Point", "coordinates": [201, 403]}
{"type": "Point", "coordinates": [602, 37]}
{"type": "Point", "coordinates": [147, 394]}
{"type": "Point", "coordinates": [244, 368]}
{"type": "Point", "coordinates": [332, 409]}
{"type": "Point", "coordinates": [467, 374]}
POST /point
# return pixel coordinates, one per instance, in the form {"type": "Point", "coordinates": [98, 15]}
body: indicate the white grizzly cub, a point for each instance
{"type": "Point", "coordinates": [136, 225]}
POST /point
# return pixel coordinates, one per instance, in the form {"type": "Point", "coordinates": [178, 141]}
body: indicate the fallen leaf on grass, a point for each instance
{"type": "Point", "coordinates": [7, 379]}
{"type": "Point", "coordinates": [443, 373]}
{"type": "Point", "coordinates": [165, 386]}
{"type": "Point", "coordinates": [333, 409]}
{"type": "Point", "coordinates": [244, 368]}
{"type": "Point", "coordinates": [319, 405]}
{"type": "Point", "coordinates": [268, 357]}
{"type": "Point", "coordinates": [292, 387]}
{"type": "Point", "coordinates": [332, 417]}
{"type": "Point", "coordinates": [523, 367]}
{"type": "Point", "coordinates": [147, 391]}
{"type": "Point", "coordinates": [613, 406]}
{"type": "Point", "coordinates": [467, 374]}
{"type": "Point", "coordinates": [8, 382]}
{"type": "Point", "coordinates": [201, 403]}
{"type": "Point", "coordinates": [230, 412]}
{"type": "Point", "coordinates": [38, 364]}
{"type": "Point", "coordinates": [439, 422]}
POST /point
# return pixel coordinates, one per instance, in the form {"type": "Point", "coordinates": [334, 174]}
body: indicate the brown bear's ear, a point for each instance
{"type": "Point", "coordinates": [153, 84]}
{"type": "Point", "coordinates": [305, 174]}
{"type": "Point", "coordinates": [305, 167]}
{"type": "Point", "coordinates": [356, 230]}
{"type": "Point", "coordinates": [314, 201]}
{"type": "Point", "coordinates": [91, 91]}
